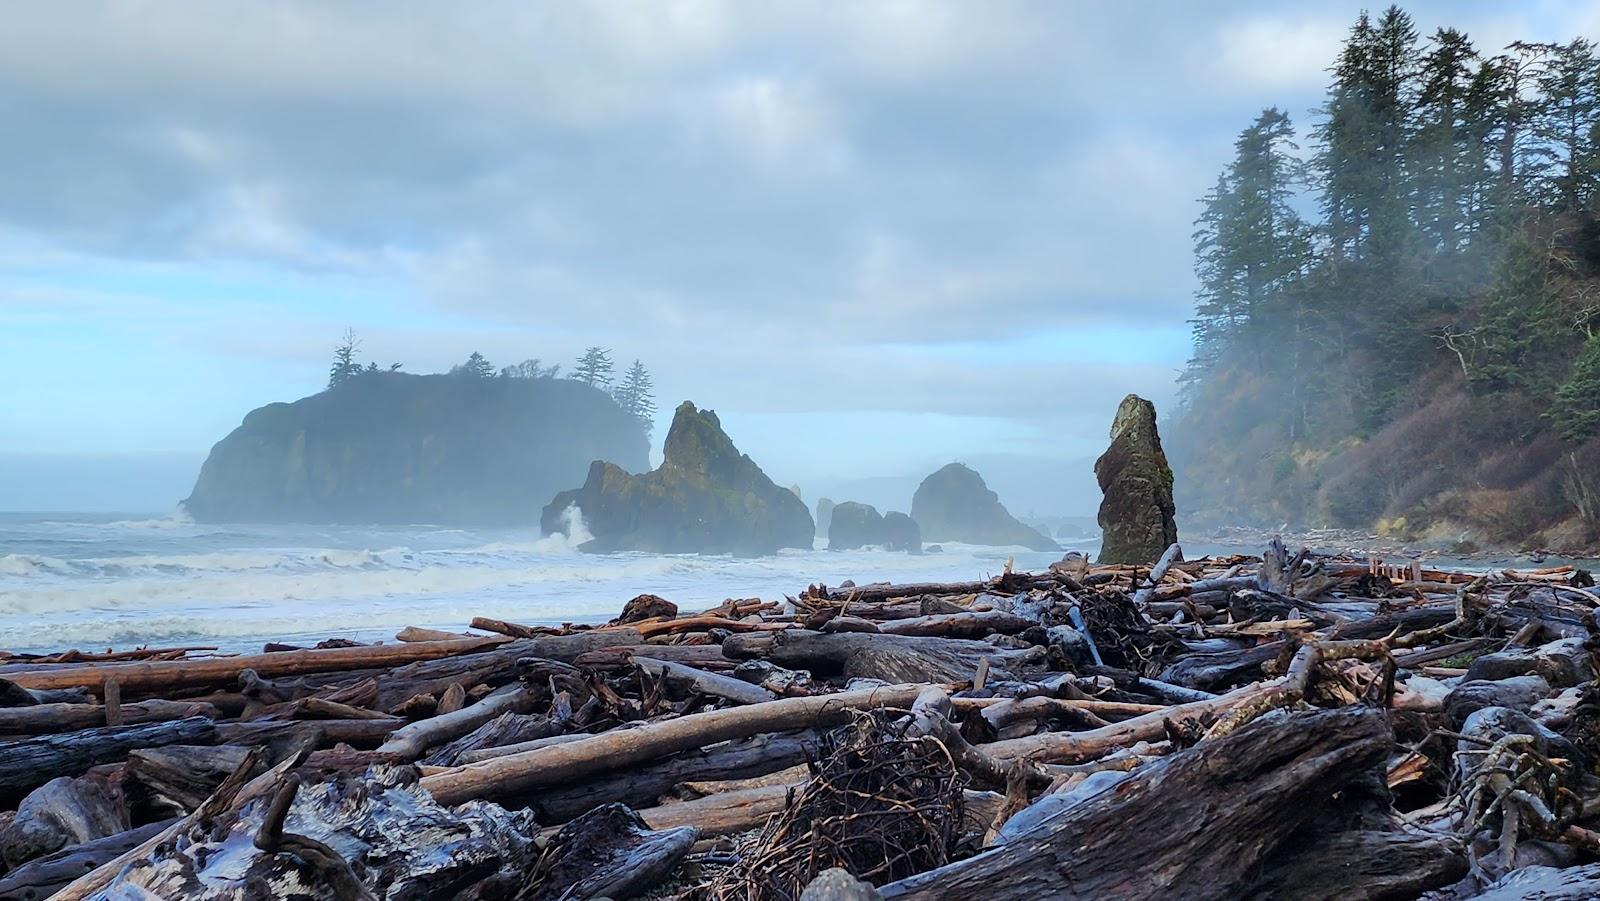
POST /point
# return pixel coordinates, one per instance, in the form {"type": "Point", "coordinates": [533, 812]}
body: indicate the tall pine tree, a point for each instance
{"type": "Point", "coordinates": [594, 368]}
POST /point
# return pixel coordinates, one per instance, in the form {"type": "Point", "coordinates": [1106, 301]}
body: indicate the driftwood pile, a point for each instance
{"type": "Point", "coordinates": [1282, 726]}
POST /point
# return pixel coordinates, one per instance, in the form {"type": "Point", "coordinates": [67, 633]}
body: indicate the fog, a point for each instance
{"type": "Point", "coordinates": [875, 237]}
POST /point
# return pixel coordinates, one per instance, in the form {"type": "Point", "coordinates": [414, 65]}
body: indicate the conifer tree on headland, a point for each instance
{"type": "Point", "coordinates": [635, 394]}
{"type": "Point", "coordinates": [344, 359]}
{"type": "Point", "coordinates": [594, 368]}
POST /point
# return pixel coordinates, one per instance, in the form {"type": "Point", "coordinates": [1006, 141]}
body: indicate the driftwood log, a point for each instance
{"type": "Point", "coordinates": [516, 773]}
{"type": "Point", "coordinates": [1223, 807]}
{"type": "Point", "coordinates": [31, 762]}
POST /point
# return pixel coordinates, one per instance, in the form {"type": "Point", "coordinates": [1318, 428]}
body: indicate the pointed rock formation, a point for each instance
{"type": "Point", "coordinates": [824, 515]}
{"type": "Point", "coordinates": [705, 498]}
{"type": "Point", "coordinates": [1136, 514]}
{"type": "Point", "coordinates": [954, 504]}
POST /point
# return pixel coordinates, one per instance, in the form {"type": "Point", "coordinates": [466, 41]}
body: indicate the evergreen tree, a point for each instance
{"type": "Point", "coordinates": [1249, 243]}
{"type": "Point", "coordinates": [594, 368]}
{"type": "Point", "coordinates": [1566, 123]}
{"type": "Point", "coordinates": [1519, 325]}
{"type": "Point", "coordinates": [1447, 156]}
{"type": "Point", "coordinates": [635, 393]}
{"type": "Point", "coordinates": [344, 365]}
{"type": "Point", "coordinates": [1576, 411]}
{"type": "Point", "coordinates": [475, 367]}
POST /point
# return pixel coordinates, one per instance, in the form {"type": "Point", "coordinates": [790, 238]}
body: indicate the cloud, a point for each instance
{"type": "Point", "coordinates": [787, 208]}
{"type": "Point", "coordinates": [1280, 54]}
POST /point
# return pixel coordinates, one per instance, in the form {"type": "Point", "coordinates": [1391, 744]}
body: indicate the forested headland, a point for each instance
{"type": "Point", "coordinates": [1398, 318]}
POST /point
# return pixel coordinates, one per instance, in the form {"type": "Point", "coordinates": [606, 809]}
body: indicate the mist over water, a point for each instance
{"type": "Point", "coordinates": [96, 581]}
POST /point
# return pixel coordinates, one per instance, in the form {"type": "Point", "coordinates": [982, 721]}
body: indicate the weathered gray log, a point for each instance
{"type": "Point", "coordinates": [568, 762]}
{"type": "Point", "coordinates": [505, 729]}
{"type": "Point", "coordinates": [687, 678]}
{"type": "Point", "coordinates": [43, 719]}
{"type": "Point", "coordinates": [607, 853]}
{"type": "Point", "coordinates": [1581, 883]}
{"type": "Point", "coordinates": [889, 658]}
{"type": "Point", "coordinates": [184, 775]}
{"type": "Point", "coordinates": [884, 591]}
{"type": "Point", "coordinates": [966, 624]}
{"type": "Point", "coordinates": [31, 762]}
{"type": "Point", "coordinates": [44, 876]}
{"type": "Point", "coordinates": [700, 656]}
{"type": "Point", "coordinates": [150, 676]}
{"type": "Point", "coordinates": [1210, 672]}
{"type": "Point", "coordinates": [1318, 865]}
{"type": "Point", "coordinates": [63, 812]}
{"type": "Point", "coordinates": [642, 786]}
{"type": "Point", "coordinates": [532, 744]}
{"type": "Point", "coordinates": [410, 742]}
{"type": "Point", "coordinates": [1223, 807]}
{"type": "Point", "coordinates": [356, 733]}
{"type": "Point", "coordinates": [392, 840]}
{"type": "Point", "coordinates": [492, 667]}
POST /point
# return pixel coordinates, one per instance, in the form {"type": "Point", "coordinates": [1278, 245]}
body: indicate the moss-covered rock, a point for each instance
{"type": "Point", "coordinates": [954, 504]}
{"type": "Point", "coordinates": [706, 497]}
{"type": "Point", "coordinates": [391, 447]}
{"type": "Point", "coordinates": [1136, 516]}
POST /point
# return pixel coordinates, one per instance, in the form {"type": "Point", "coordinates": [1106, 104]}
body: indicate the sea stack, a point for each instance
{"type": "Point", "coordinates": [705, 498]}
{"type": "Point", "coordinates": [1136, 516]}
{"type": "Point", "coordinates": [954, 504]}
{"type": "Point", "coordinates": [854, 525]}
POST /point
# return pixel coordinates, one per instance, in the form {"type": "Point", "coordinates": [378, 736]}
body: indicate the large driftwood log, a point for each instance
{"type": "Point", "coordinates": [492, 667]}
{"type": "Point", "coordinates": [505, 729]}
{"type": "Point", "coordinates": [688, 678]}
{"type": "Point", "coordinates": [154, 676]}
{"type": "Point", "coordinates": [31, 762]}
{"type": "Point", "coordinates": [561, 763]}
{"type": "Point", "coordinates": [890, 658]}
{"type": "Point", "coordinates": [959, 625]}
{"type": "Point", "coordinates": [410, 742]}
{"type": "Point", "coordinates": [46, 875]}
{"type": "Point", "coordinates": [146, 677]}
{"type": "Point", "coordinates": [361, 733]}
{"type": "Point", "coordinates": [1222, 808]}
{"type": "Point", "coordinates": [43, 719]}
{"type": "Point", "coordinates": [1317, 865]}
{"type": "Point", "coordinates": [1011, 582]}
{"type": "Point", "coordinates": [64, 812]}
{"type": "Point", "coordinates": [183, 776]}
{"type": "Point", "coordinates": [607, 853]}
{"type": "Point", "coordinates": [1076, 747]}
{"type": "Point", "coordinates": [642, 786]}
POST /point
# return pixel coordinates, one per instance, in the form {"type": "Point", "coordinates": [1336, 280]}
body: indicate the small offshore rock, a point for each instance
{"type": "Point", "coordinates": [646, 606]}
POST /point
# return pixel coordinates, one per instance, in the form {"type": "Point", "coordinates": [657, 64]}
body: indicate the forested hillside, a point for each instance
{"type": "Point", "coordinates": [1398, 324]}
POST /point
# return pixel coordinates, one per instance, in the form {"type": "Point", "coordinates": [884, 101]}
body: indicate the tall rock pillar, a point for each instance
{"type": "Point", "coordinates": [1136, 514]}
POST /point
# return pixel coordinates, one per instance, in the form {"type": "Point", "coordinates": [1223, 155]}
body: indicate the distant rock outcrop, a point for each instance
{"type": "Point", "coordinates": [854, 525]}
{"type": "Point", "coordinates": [824, 515]}
{"type": "Point", "coordinates": [705, 498]}
{"type": "Point", "coordinates": [900, 533]}
{"type": "Point", "coordinates": [391, 447]}
{"type": "Point", "coordinates": [859, 525]}
{"type": "Point", "coordinates": [954, 504]}
{"type": "Point", "coordinates": [1136, 517]}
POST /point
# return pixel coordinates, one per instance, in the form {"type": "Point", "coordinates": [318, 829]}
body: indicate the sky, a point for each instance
{"type": "Point", "coordinates": [874, 235]}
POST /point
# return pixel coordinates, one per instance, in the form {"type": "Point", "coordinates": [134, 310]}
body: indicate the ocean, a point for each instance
{"type": "Point", "coordinates": [97, 581]}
